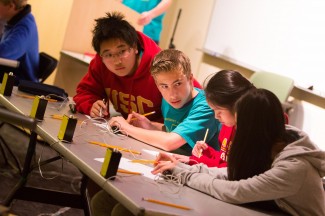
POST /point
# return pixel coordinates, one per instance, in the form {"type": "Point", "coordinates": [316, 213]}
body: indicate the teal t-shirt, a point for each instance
{"type": "Point", "coordinates": [153, 29]}
{"type": "Point", "coordinates": [191, 122]}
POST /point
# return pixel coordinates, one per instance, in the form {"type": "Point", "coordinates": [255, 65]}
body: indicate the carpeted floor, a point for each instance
{"type": "Point", "coordinates": [59, 175]}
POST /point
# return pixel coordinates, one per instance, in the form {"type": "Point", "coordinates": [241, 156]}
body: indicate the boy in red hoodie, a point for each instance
{"type": "Point", "coordinates": [119, 72]}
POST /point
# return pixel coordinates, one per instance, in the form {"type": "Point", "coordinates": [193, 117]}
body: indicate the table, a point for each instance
{"type": "Point", "coordinates": [23, 192]}
{"type": "Point", "coordinates": [129, 190]}
{"type": "Point", "coordinates": [72, 68]}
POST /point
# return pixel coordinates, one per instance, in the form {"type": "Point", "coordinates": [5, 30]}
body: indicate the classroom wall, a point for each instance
{"type": "Point", "coordinates": [51, 19]}
{"type": "Point", "coordinates": [191, 29]}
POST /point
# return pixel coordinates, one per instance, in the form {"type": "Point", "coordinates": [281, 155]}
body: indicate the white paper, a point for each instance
{"type": "Point", "coordinates": [126, 164]}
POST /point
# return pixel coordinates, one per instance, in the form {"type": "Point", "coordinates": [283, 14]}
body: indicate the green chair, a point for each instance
{"type": "Point", "coordinates": [280, 85]}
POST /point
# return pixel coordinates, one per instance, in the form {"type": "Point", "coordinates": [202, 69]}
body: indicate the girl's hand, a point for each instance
{"type": "Point", "coordinates": [199, 147]}
{"type": "Point", "coordinates": [182, 158]}
{"type": "Point", "coordinates": [164, 162]}
{"type": "Point", "coordinates": [164, 157]}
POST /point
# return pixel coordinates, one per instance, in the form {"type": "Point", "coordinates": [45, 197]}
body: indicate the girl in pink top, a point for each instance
{"type": "Point", "coordinates": [222, 91]}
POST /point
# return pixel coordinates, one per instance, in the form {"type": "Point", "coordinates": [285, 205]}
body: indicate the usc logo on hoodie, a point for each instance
{"type": "Point", "coordinates": [128, 102]}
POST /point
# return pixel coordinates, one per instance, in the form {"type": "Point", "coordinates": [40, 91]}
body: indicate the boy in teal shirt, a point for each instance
{"type": "Point", "coordinates": [186, 113]}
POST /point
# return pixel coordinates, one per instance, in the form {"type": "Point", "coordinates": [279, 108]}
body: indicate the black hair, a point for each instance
{"type": "Point", "coordinates": [225, 87]}
{"type": "Point", "coordinates": [114, 26]}
{"type": "Point", "coordinates": [260, 125]}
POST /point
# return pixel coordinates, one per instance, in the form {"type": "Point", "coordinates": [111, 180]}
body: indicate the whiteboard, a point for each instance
{"type": "Point", "coordinates": [279, 36]}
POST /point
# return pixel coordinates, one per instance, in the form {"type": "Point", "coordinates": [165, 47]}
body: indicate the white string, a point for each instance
{"type": "Point", "coordinates": [59, 104]}
{"type": "Point", "coordinates": [106, 128]}
{"type": "Point", "coordinates": [59, 212]}
{"type": "Point", "coordinates": [40, 170]}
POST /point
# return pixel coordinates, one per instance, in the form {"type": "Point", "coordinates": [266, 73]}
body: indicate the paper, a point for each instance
{"type": "Point", "coordinates": [126, 164]}
{"type": "Point", "coordinates": [153, 153]}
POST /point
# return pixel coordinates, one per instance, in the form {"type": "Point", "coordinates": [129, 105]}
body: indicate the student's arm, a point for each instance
{"type": "Point", "coordinates": [89, 90]}
{"type": "Point", "coordinates": [15, 46]}
{"type": "Point", "coordinates": [283, 180]}
{"type": "Point", "coordinates": [147, 16]}
{"type": "Point", "coordinates": [153, 134]}
{"type": "Point", "coordinates": [170, 162]}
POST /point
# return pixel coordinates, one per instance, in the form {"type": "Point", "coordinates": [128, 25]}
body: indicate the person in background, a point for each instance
{"type": "Point", "coordinates": [270, 165]}
{"type": "Point", "coordinates": [152, 15]}
{"type": "Point", "coordinates": [222, 91]}
{"type": "Point", "coordinates": [19, 40]}
{"type": "Point", "coordinates": [186, 113]}
{"type": "Point", "coordinates": [119, 71]}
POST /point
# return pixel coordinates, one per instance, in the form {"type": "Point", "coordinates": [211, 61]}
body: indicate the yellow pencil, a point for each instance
{"type": "Point", "coordinates": [166, 204]}
{"type": "Point", "coordinates": [55, 116]}
{"type": "Point", "coordinates": [26, 96]}
{"type": "Point", "coordinates": [146, 114]}
{"type": "Point", "coordinates": [32, 97]}
{"type": "Point", "coordinates": [51, 100]}
{"type": "Point", "coordinates": [114, 147]}
{"type": "Point", "coordinates": [128, 172]}
{"type": "Point", "coordinates": [60, 117]}
{"type": "Point", "coordinates": [205, 137]}
{"type": "Point", "coordinates": [143, 161]}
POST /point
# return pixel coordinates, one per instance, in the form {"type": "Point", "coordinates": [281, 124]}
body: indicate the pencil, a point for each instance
{"type": "Point", "coordinates": [166, 204]}
{"type": "Point", "coordinates": [59, 117]}
{"type": "Point", "coordinates": [114, 147]}
{"type": "Point", "coordinates": [128, 172]}
{"type": "Point", "coordinates": [26, 96]}
{"type": "Point", "coordinates": [205, 137]}
{"type": "Point", "coordinates": [146, 114]}
{"type": "Point", "coordinates": [32, 97]}
{"type": "Point", "coordinates": [206, 134]}
{"type": "Point", "coordinates": [143, 161]}
{"type": "Point", "coordinates": [101, 108]}
{"type": "Point", "coordinates": [51, 100]}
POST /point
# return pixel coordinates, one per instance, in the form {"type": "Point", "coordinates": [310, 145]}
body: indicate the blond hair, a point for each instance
{"type": "Point", "coordinates": [171, 60]}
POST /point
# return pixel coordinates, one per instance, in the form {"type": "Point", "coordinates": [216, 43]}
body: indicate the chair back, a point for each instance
{"type": "Point", "coordinates": [47, 65]}
{"type": "Point", "coordinates": [280, 85]}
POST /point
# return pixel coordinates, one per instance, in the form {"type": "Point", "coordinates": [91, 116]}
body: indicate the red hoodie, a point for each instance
{"type": "Point", "coordinates": [137, 93]}
{"type": "Point", "coordinates": [212, 157]}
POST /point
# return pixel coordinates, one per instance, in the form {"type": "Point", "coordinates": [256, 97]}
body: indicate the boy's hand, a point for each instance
{"type": "Point", "coordinates": [139, 120]}
{"type": "Point", "coordinates": [199, 147]}
{"type": "Point", "coordinates": [98, 109]}
{"type": "Point", "coordinates": [120, 122]}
